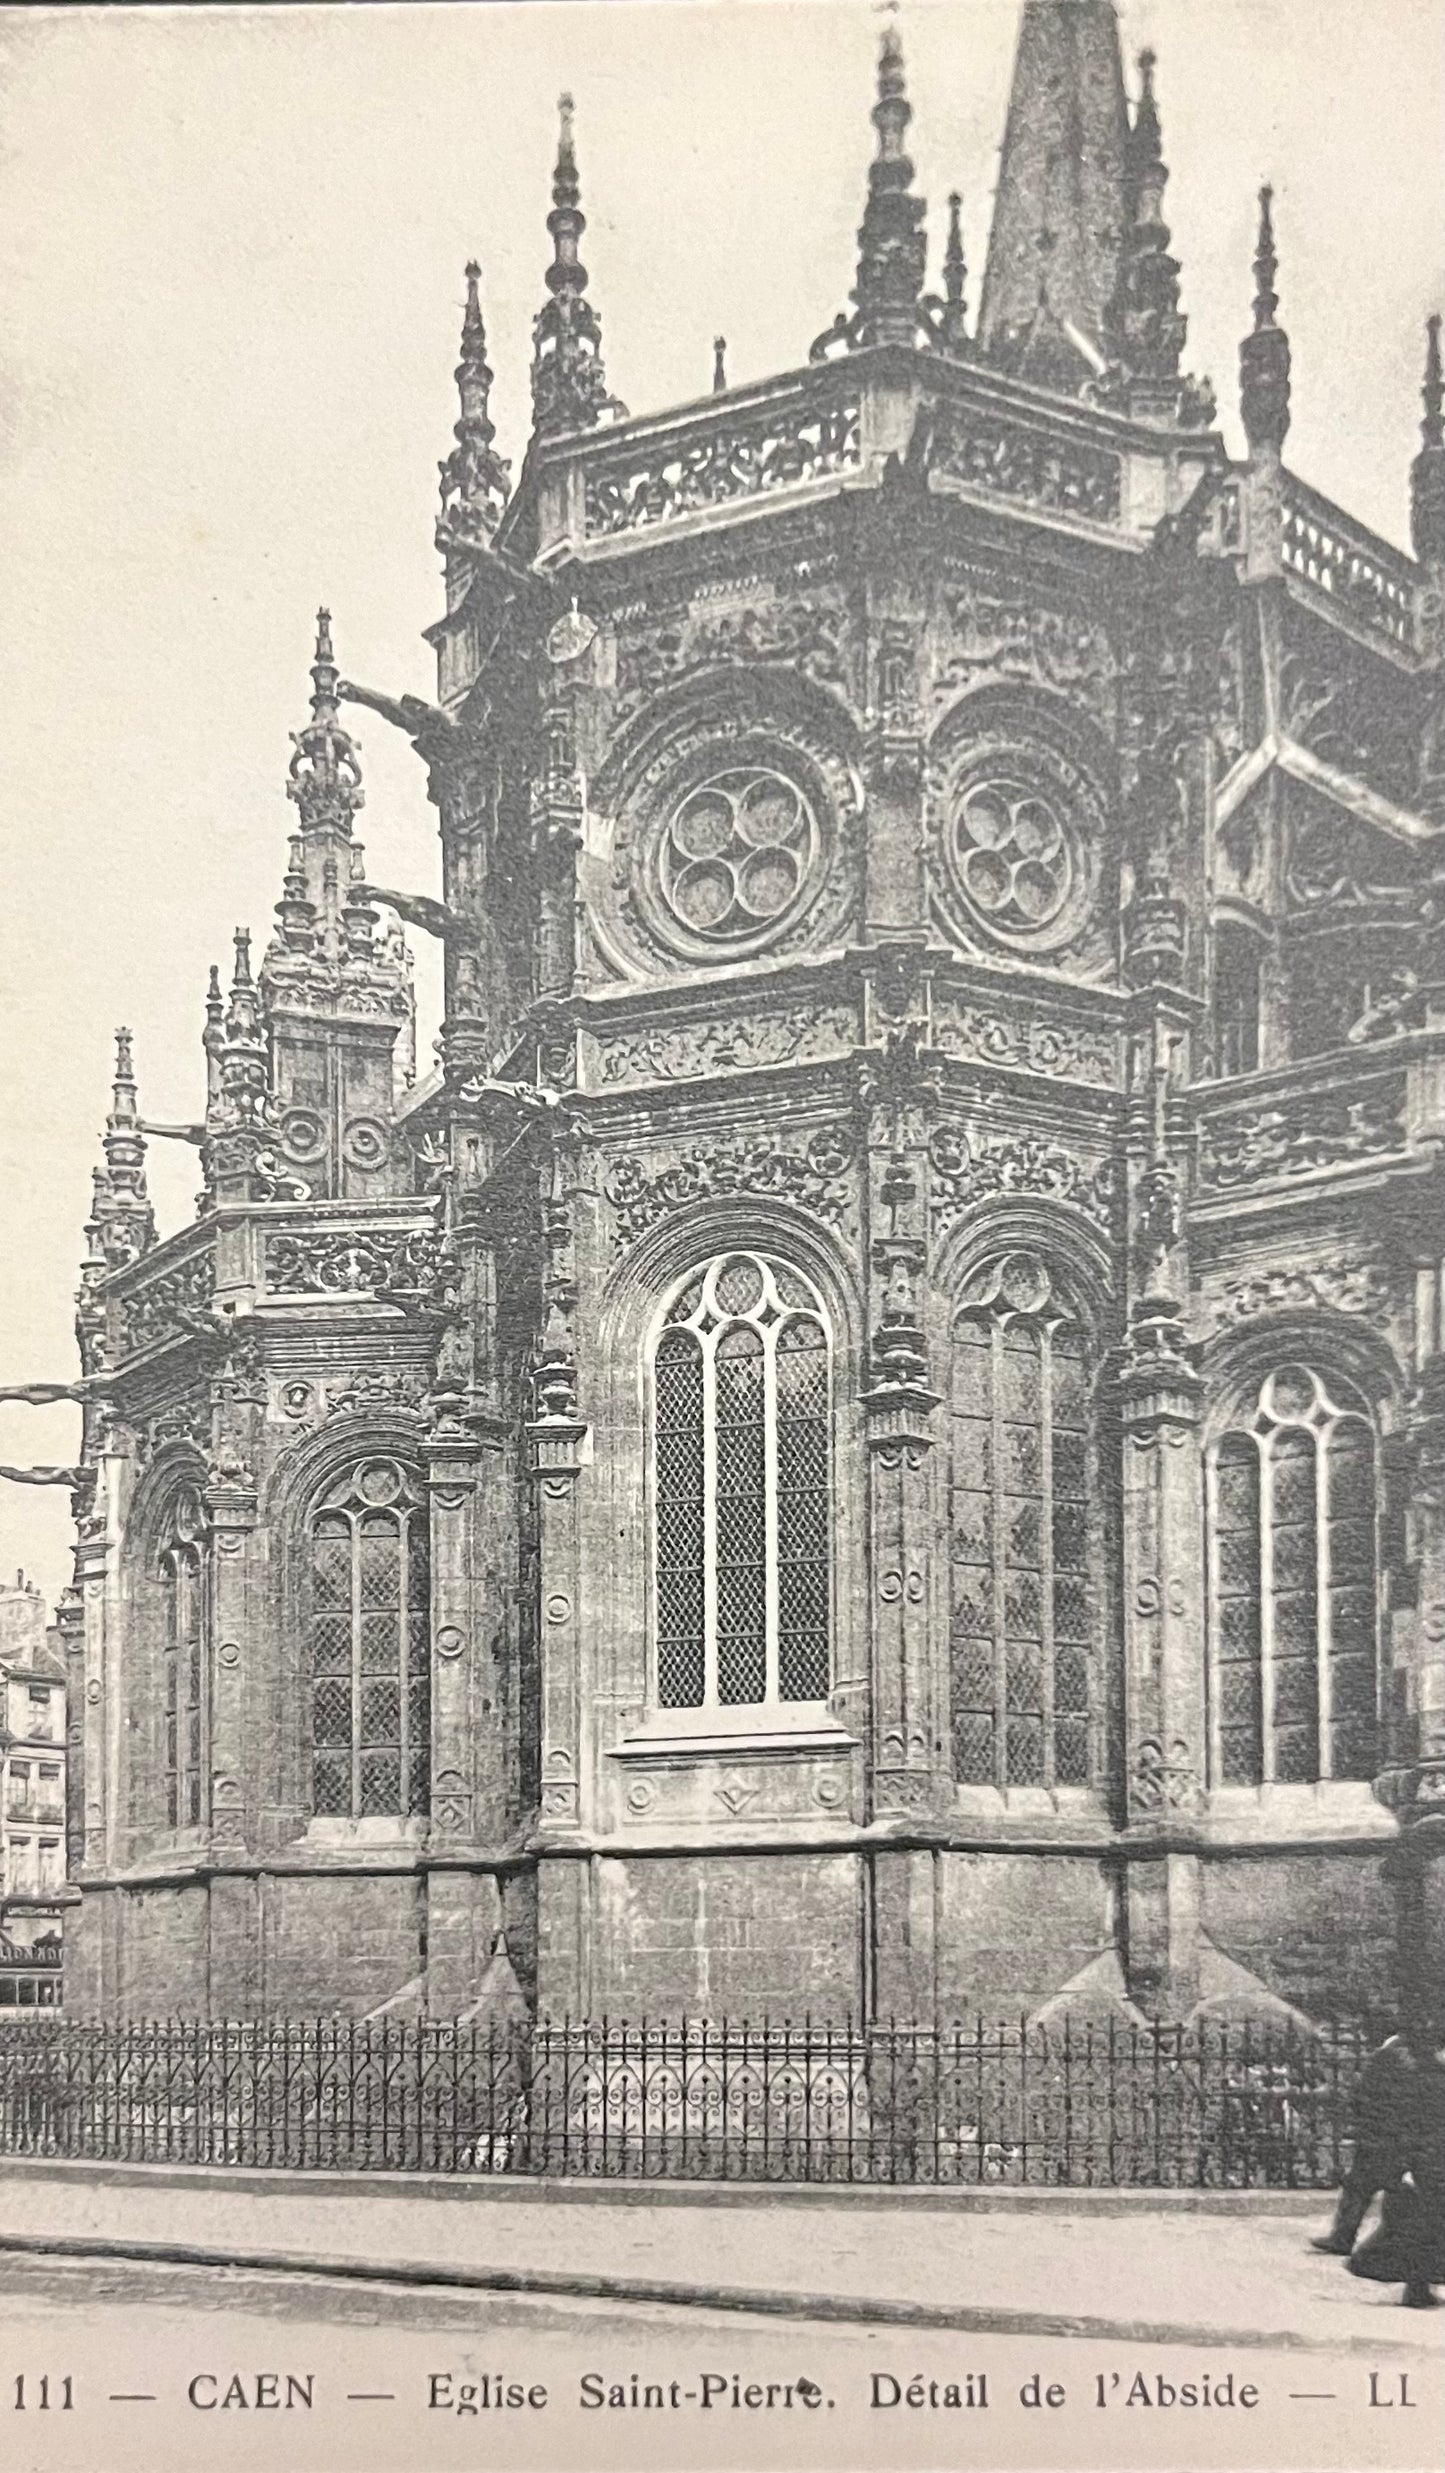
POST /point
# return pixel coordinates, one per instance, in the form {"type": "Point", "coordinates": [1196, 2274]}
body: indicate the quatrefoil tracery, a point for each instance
{"type": "Point", "coordinates": [738, 853]}
{"type": "Point", "coordinates": [1013, 856]}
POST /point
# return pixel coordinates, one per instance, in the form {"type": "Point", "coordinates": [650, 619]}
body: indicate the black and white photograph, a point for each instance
{"type": "Point", "coordinates": [722, 1203]}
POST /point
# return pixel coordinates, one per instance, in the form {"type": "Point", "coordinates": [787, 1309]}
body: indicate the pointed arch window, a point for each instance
{"type": "Point", "coordinates": [370, 1646]}
{"type": "Point", "coordinates": [1025, 1553]}
{"type": "Point", "coordinates": [1293, 1572]}
{"type": "Point", "coordinates": [741, 1489]}
{"type": "Point", "coordinates": [184, 1577]}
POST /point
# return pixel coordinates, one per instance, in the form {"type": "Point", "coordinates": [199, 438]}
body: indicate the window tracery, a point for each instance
{"type": "Point", "coordinates": [370, 1645]}
{"type": "Point", "coordinates": [1024, 1548]}
{"type": "Point", "coordinates": [1293, 1567]}
{"type": "Point", "coordinates": [741, 1485]}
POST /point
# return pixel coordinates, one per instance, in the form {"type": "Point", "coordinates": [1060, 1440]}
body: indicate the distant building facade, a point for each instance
{"type": "Point", "coordinates": [873, 1441]}
{"type": "Point", "coordinates": [32, 1793]}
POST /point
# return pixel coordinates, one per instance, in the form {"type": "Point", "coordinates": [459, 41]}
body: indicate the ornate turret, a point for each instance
{"type": "Point", "coordinates": [1053, 254]}
{"type": "Point", "coordinates": [475, 480]}
{"type": "Point", "coordinates": [124, 1221]}
{"type": "Point", "coordinates": [332, 996]}
{"type": "Point", "coordinates": [1264, 353]}
{"type": "Point", "coordinates": [569, 383]}
{"type": "Point", "coordinates": [1144, 331]}
{"type": "Point", "coordinates": [1427, 473]}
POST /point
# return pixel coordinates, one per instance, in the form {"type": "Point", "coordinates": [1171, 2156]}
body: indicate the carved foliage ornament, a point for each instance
{"type": "Point", "coordinates": [166, 1306]}
{"type": "Point", "coordinates": [992, 455]}
{"type": "Point", "coordinates": [778, 450]}
{"type": "Point", "coordinates": [1347, 1287]}
{"type": "Point", "coordinates": [806, 635]}
{"type": "Point", "coordinates": [641, 1194]}
{"type": "Point", "coordinates": [993, 633]}
{"type": "Point", "coordinates": [1018, 1038]}
{"type": "Point", "coordinates": [1302, 1134]}
{"type": "Point", "coordinates": [968, 1168]}
{"type": "Point", "coordinates": [695, 1049]}
{"type": "Point", "coordinates": [342, 1260]}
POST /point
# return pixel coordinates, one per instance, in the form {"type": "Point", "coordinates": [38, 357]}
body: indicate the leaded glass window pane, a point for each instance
{"type": "Point", "coordinates": [1022, 1539]}
{"type": "Point", "coordinates": [1294, 1586]}
{"type": "Point", "coordinates": [370, 1647]}
{"type": "Point", "coordinates": [741, 1502]}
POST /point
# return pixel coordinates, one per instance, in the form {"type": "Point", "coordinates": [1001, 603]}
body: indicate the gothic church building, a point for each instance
{"type": "Point", "coordinates": [873, 1439]}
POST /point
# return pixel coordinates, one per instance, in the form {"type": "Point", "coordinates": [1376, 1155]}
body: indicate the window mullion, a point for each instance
{"type": "Point", "coordinates": [403, 1655]}
{"type": "Point", "coordinates": [998, 1574]}
{"type": "Point", "coordinates": [1213, 1679]}
{"type": "Point", "coordinates": [354, 1527]}
{"type": "Point", "coordinates": [1324, 1627]}
{"type": "Point", "coordinates": [708, 1341]}
{"type": "Point", "coordinates": [1266, 1608]}
{"type": "Point", "coordinates": [1046, 1549]}
{"type": "Point", "coordinates": [770, 1514]}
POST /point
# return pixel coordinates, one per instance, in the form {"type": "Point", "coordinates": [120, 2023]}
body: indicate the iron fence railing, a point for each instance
{"type": "Point", "coordinates": [1225, 2105]}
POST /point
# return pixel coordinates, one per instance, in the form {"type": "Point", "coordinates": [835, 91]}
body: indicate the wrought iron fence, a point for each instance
{"type": "Point", "coordinates": [1222, 2105]}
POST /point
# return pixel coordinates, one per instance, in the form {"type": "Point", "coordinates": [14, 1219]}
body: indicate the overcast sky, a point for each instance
{"type": "Point", "coordinates": [231, 246]}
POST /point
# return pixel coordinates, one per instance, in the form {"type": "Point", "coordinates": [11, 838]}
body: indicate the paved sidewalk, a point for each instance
{"type": "Point", "coordinates": [1161, 2271]}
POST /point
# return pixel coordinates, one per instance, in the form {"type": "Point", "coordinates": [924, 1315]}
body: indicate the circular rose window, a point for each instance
{"type": "Point", "coordinates": [1020, 830]}
{"type": "Point", "coordinates": [738, 855]}
{"type": "Point", "coordinates": [1013, 856]}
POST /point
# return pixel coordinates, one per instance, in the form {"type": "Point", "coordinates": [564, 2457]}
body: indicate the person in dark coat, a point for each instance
{"type": "Point", "coordinates": [1382, 2095]}
{"type": "Point", "coordinates": [1408, 2246]}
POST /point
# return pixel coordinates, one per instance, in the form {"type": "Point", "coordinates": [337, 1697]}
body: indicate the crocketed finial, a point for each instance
{"type": "Point", "coordinates": [953, 318]}
{"type": "Point", "coordinates": [123, 1209]}
{"type": "Point", "coordinates": [719, 364]}
{"type": "Point", "coordinates": [892, 249]}
{"type": "Point", "coordinates": [325, 781]}
{"type": "Point", "coordinates": [475, 480]}
{"type": "Point", "coordinates": [569, 384]}
{"type": "Point", "coordinates": [1264, 359]}
{"type": "Point", "coordinates": [1427, 473]}
{"type": "Point", "coordinates": [1143, 328]}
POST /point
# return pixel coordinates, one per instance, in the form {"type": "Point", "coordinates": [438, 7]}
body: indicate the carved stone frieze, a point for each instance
{"type": "Point", "coordinates": [1019, 1037]}
{"type": "Point", "coordinates": [777, 449]}
{"type": "Point", "coordinates": [343, 1261]}
{"type": "Point", "coordinates": [640, 1192]}
{"type": "Point", "coordinates": [971, 1167]}
{"type": "Point", "coordinates": [167, 1305]}
{"type": "Point", "coordinates": [1024, 464]}
{"type": "Point", "coordinates": [1359, 1287]}
{"type": "Point", "coordinates": [1003, 634]}
{"type": "Point", "coordinates": [1301, 1134]}
{"type": "Point", "coordinates": [806, 635]}
{"type": "Point", "coordinates": [370, 1389]}
{"type": "Point", "coordinates": [689, 1051]}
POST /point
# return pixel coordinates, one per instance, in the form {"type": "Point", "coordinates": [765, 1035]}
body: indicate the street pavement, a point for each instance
{"type": "Point", "coordinates": [1160, 2271]}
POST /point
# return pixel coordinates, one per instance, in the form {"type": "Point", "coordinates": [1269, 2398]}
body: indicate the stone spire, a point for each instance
{"type": "Point", "coordinates": [569, 384]}
{"type": "Point", "coordinates": [1061, 208]}
{"type": "Point", "coordinates": [124, 1220]}
{"type": "Point", "coordinates": [475, 480]}
{"type": "Point", "coordinates": [892, 247]}
{"type": "Point", "coordinates": [1427, 473]}
{"type": "Point", "coordinates": [1264, 353]}
{"type": "Point", "coordinates": [1144, 331]}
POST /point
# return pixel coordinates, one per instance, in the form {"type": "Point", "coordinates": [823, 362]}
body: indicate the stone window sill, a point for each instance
{"type": "Point", "coordinates": [733, 1734]}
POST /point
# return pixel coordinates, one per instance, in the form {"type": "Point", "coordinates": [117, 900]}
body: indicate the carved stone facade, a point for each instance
{"type": "Point", "coordinates": [868, 1441]}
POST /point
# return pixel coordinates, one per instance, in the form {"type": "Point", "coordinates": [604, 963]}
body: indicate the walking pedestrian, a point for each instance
{"type": "Point", "coordinates": [1382, 2093]}
{"type": "Point", "coordinates": [1408, 2245]}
